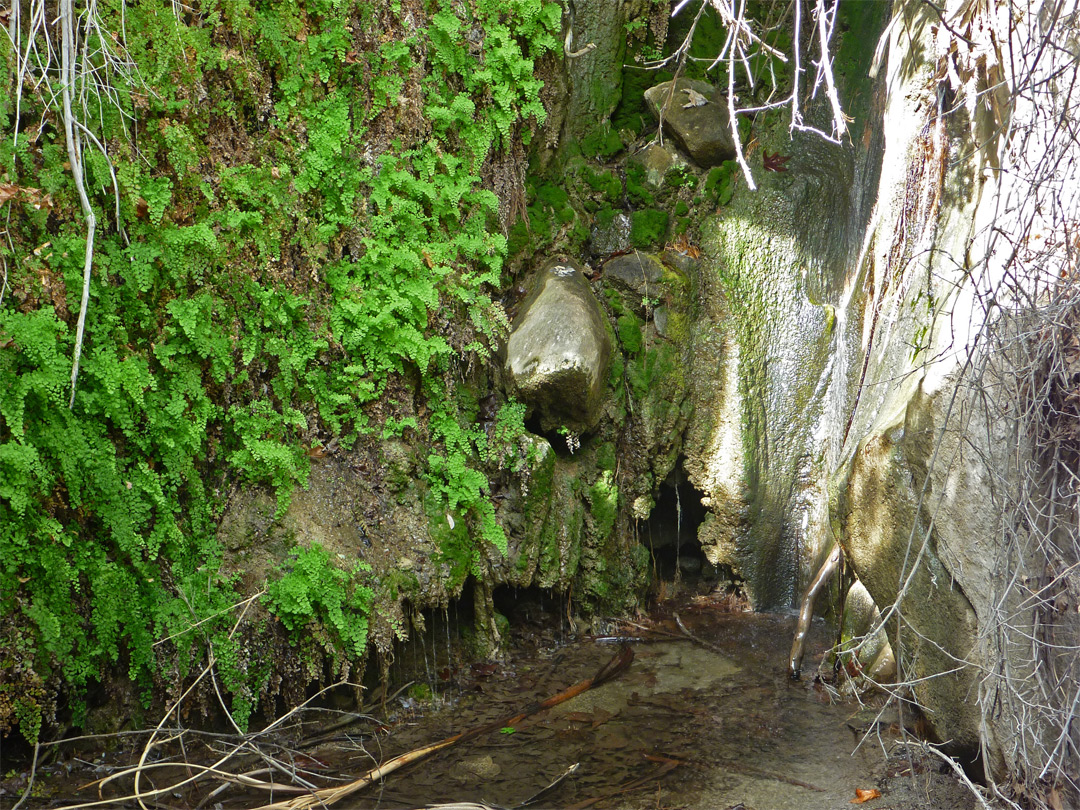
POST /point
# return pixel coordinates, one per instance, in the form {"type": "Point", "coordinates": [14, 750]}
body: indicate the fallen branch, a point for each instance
{"type": "Point", "coordinates": [702, 642]}
{"type": "Point", "coordinates": [757, 773]}
{"type": "Point", "coordinates": [806, 611]}
{"type": "Point", "coordinates": [551, 786]}
{"type": "Point", "coordinates": [328, 796]}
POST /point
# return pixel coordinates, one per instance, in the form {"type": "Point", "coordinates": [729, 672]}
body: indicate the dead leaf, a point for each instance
{"type": "Point", "coordinates": [8, 191]}
{"type": "Point", "coordinates": [862, 795]}
{"type": "Point", "coordinates": [774, 162]}
{"type": "Point", "coordinates": [695, 99]}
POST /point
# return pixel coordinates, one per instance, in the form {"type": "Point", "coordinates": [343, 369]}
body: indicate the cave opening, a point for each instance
{"type": "Point", "coordinates": [671, 531]}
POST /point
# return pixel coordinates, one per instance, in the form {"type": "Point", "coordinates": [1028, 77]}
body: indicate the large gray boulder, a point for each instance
{"type": "Point", "coordinates": [558, 352]}
{"type": "Point", "coordinates": [695, 114]}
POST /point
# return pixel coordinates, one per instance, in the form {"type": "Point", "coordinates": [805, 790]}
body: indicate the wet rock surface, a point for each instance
{"type": "Point", "coordinates": [558, 352]}
{"type": "Point", "coordinates": [637, 272]}
{"type": "Point", "coordinates": [610, 237]}
{"type": "Point", "coordinates": [695, 114]}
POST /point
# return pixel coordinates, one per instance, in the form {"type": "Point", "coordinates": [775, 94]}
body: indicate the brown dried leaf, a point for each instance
{"type": "Point", "coordinates": [862, 795]}
{"type": "Point", "coordinates": [774, 162]}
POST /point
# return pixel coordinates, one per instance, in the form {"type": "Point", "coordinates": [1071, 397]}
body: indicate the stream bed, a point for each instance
{"type": "Point", "coordinates": [713, 723]}
{"type": "Point", "coordinates": [686, 726]}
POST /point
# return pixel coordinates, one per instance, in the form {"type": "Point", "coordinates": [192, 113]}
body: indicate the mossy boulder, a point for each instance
{"type": "Point", "coordinates": [558, 353]}
{"type": "Point", "coordinates": [695, 114]}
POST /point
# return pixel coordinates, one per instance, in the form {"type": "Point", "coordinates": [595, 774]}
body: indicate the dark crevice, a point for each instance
{"type": "Point", "coordinates": [671, 530]}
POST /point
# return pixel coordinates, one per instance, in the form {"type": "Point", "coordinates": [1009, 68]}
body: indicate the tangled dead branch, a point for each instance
{"type": "Point", "coordinates": [270, 761]}
{"type": "Point", "coordinates": [746, 46]}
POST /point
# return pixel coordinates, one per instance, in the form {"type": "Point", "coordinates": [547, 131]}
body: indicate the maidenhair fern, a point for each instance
{"type": "Point", "coordinates": [273, 259]}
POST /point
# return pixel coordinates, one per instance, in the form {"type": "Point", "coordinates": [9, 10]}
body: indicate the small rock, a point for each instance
{"type": "Point", "coordinates": [639, 273]}
{"type": "Point", "coordinates": [657, 160]}
{"type": "Point", "coordinates": [471, 769]}
{"type": "Point", "coordinates": [660, 320]}
{"type": "Point", "coordinates": [613, 237]}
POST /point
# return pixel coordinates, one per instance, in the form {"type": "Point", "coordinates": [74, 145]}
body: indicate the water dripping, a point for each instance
{"type": "Point", "coordinates": [427, 669]}
{"type": "Point", "coordinates": [678, 530]}
{"type": "Point", "coordinates": [457, 631]}
{"type": "Point", "coordinates": [449, 656]}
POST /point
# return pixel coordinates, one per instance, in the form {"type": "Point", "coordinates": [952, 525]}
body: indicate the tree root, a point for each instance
{"type": "Point", "coordinates": [806, 611]}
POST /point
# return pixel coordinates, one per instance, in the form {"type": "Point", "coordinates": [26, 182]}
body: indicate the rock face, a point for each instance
{"type": "Point", "coordinates": [867, 406]}
{"type": "Point", "coordinates": [558, 352]}
{"type": "Point", "coordinates": [695, 114]}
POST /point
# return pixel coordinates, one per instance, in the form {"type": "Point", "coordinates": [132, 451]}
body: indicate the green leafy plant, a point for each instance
{"type": "Point", "coordinates": [315, 591]}
{"type": "Point", "coordinates": [259, 279]}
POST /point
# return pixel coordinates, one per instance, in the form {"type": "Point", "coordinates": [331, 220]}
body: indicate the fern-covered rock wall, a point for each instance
{"type": "Point", "coordinates": [290, 433]}
{"type": "Point", "coordinates": [300, 213]}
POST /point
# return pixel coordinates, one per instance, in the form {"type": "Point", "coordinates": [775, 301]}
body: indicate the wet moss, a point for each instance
{"type": "Point", "coordinates": [602, 143]}
{"type": "Point", "coordinates": [720, 183]}
{"type": "Point", "coordinates": [603, 498]}
{"type": "Point", "coordinates": [678, 327]}
{"type": "Point", "coordinates": [605, 456]}
{"type": "Point", "coordinates": [645, 372]}
{"type": "Point", "coordinates": [608, 183]}
{"type": "Point", "coordinates": [637, 189]}
{"type": "Point", "coordinates": [630, 333]}
{"type": "Point", "coordinates": [648, 227]}
{"type": "Point", "coordinates": [680, 176]}
{"type": "Point", "coordinates": [854, 56]}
